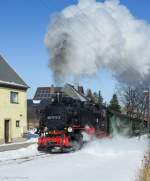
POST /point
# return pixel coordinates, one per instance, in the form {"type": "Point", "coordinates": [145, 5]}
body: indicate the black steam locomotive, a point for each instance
{"type": "Point", "coordinates": [63, 123]}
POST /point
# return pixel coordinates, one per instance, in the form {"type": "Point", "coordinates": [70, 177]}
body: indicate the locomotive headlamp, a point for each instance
{"type": "Point", "coordinates": [70, 129]}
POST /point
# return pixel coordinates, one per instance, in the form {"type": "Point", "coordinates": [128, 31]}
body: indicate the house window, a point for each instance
{"type": "Point", "coordinates": [17, 124]}
{"type": "Point", "coordinates": [14, 97]}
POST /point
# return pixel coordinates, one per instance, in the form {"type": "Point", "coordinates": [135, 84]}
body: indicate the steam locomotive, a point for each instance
{"type": "Point", "coordinates": [65, 122]}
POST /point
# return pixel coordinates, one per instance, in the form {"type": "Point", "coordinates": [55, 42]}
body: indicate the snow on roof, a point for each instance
{"type": "Point", "coordinates": [72, 92]}
{"type": "Point", "coordinates": [36, 101]}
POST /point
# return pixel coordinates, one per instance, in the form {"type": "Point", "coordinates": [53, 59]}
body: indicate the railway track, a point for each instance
{"type": "Point", "coordinates": [23, 159]}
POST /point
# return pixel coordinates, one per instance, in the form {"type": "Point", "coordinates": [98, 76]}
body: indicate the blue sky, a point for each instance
{"type": "Point", "coordinates": [23, 24]}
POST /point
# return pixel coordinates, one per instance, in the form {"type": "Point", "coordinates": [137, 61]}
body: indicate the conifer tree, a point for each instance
{"type": "Point", "coordinates": [98, 98]}
{"type": "Point", "coordinates": [90, 95]}
{"type": "Point", "coordinates": [95, 97]}
{"type": "Point", "coordinates": [114, 104]}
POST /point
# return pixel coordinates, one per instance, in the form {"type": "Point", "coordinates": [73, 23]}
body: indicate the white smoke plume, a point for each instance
{"type": "Point", "coordinates": [85, 38]}
{"type": "Point", "coordinates": [117, 146]}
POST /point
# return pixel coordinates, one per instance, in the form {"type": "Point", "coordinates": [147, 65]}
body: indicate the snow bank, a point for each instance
{"type": "Point", "coordinates": [31, 134]}
{"type": "Point", "coordinates": [31, 140]}
{"type": "Point", "coordinates": [20, 153]}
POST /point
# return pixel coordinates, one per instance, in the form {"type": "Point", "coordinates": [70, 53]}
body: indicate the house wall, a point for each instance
{"type": "Point", "coordinates": [13, 112]}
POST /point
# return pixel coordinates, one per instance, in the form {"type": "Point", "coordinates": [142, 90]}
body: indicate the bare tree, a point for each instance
{"type": "Point", "coordinates": [134, 102]}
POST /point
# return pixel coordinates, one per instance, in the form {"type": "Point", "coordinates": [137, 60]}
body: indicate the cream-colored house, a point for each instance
{"type": "Point", "coordinates": [13, 104]}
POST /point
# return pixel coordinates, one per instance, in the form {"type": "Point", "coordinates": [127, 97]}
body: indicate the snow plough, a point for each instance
{"type": "Point", "coordinates": [67, 140]}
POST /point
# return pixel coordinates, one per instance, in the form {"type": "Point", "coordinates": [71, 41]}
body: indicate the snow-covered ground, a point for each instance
{"type": "Point", "coordinates": [101, 160]}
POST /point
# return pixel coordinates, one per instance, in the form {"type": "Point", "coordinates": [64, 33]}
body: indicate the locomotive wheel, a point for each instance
{"type": "Point", "coordinates": [77, 143]}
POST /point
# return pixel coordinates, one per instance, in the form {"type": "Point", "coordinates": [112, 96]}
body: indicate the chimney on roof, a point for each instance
{"type": "Point", "coordinates": [52, 89]}
{"type": "Point", "coordinates": [81, 89]}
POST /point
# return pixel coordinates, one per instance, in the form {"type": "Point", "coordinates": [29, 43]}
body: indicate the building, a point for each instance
{"type": "Point", "coordinates": [32, 113]}
{"type": "Point", "coordinates": [13, 104]}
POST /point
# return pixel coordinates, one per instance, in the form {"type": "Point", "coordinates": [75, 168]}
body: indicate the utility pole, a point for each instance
{"type": "Point", "coordinates": [148, 114]}
{"type": "Point", "coordinates": [130, 112]}
{"type": "Point", "coordinates": [147, 92]}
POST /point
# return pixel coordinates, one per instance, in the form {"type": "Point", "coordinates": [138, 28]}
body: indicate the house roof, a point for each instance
{"type": "Point", "coordinates": [46, 92]}
{"type": "Point", "coordinates": [74, 93]}
{"type": "Point", "coordinates": [9, 77]}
